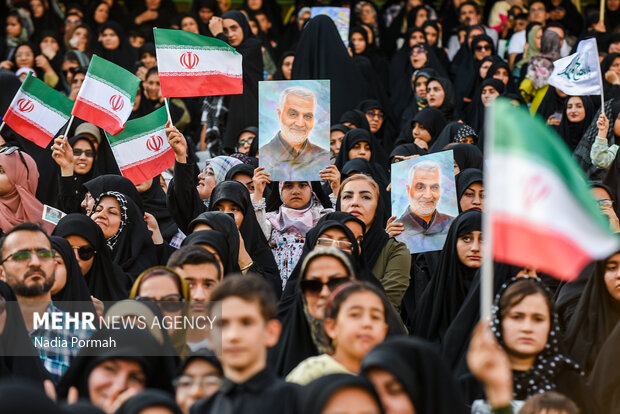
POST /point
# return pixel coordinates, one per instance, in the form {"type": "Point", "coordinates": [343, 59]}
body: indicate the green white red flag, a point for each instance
{"type": "Point", "coordinates": [107, 95]}
{"type": "Point", "coordinates": [194, 65]}
{"type": "Point", "coordinates": [141, 149]}
{"type": "Point", "coordinates": [37, 111]}
{"type": "Point", "coordinates": [542, 213]}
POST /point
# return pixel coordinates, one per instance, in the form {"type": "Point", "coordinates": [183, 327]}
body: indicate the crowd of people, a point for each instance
{"type": "Point", "coordinates": [319, 308]}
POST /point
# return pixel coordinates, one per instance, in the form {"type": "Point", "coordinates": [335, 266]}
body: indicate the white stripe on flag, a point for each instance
{"type": "Point", "coordinates": [101, 94]}
{"type": "Point", "coordinates": [40, 115]}
{"type": "Point", "coordinates": [209, 61]}
{"type": "Point", "coordinates": [137, 151]}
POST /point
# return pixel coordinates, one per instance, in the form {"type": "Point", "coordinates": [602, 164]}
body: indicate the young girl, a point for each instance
{"type": "Point", "coordinates": [355, 321]}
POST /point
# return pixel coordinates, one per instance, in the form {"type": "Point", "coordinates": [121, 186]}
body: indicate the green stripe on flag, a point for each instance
{"type": "Point", "coordinates": [180, 39]}
{"type": "Point", "coordinates": [114, 76]}
{"type": "Point", "coordinates": [516, 132]}
{"type": "Point", "coordinates": [140, 127]}
{"type": "Point", "coordinates": [37, 90]}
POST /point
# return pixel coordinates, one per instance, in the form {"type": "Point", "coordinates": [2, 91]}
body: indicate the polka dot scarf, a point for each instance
{"type": "Point", "coordinates": [122, 201]}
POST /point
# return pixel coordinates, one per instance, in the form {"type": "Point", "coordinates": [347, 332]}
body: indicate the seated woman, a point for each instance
{"type": "Point", "coordinates": [469, 190]}
{"type": "Point", "coordinates": [423, 130]}
{"type": "Point", "coordinates": [216, 243]}
{"type": "Point", "coordinates": [70, 291]}
{"type": "Point", "coordinates": [355, 321]}
{"type": "Point", "coordinates": [202, 366]}
{"type": "Point", "coordinates": [389, 259]}
{"type": "Point", "coordinates": [359, 143]}
{"type": "Point", "coordinates": [340, 393]}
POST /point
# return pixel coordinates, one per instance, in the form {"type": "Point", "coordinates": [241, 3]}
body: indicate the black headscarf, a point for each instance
{"type": "Point", "coordinates": [243, 109]}
{"type": "Point", "coordinates": [132, 245]}
{"type": "Point", "coordinates": [422, 372]}
{"type": "Point", "coordinates": [595, 317]}
{"type": "Point", "coordinates": [416, 103]}
{"type": "Point", "coordinates": [75, 288]}
{"type": "Point", "coordinates": [149, 398]}
{"type": "Point", "coordinates": [467, 156]}
{"type": "Point", "coordinates": [453, 133]}
{"type": "Point", "coordinates": [154, 201]}
{"type": "Point", "coordinates": [476, 109]}
{"type": "Point", "coordinates": [448, 107]}
{"type": "Point", "coordinates": [105, 279]}
{"type": "Point", "coordinates": [571, 132]}
{"type": "Point", "coordinates": [315, 396]}
{"type": "Point", "coordinates": [220, 243]}
{"type": "Point", "coordinates": [113, 182]}
{"type": "Point", "coordinates": [550, 104]}
{"type": "Point", "coordinates": [433, 120]}
{"type": "Point", "coordinates": [322, 55]}
{"type": "Point", "coordinates": [124, 55]}
{"type": "Point", "coordinates": [610, 90]}
{"type": "Point", "coordinates": [14, 340]}
{"type": "Point", "coordinates": [355, 117]}
{"type": "Point", "coordinates": [463, 180]}
{"type": "Point", "coordinates": [465, 67]}
{"type": "Point", "coordinates": [23, 397]}
{"type": "Point", "coordinates": [377, 154]}
{"type": "Point", "coordinates": [82, 178]}
{"type": "Point", "coordinates": [449, 285]}
{"type": "Point", "coordinates": [611, 183]}
{"type": "Point", "coordinates": [279, 75]}
{"type": "Point", "coordinates": [253, 237]}
{"type": "Point", "coordinates": [510, 87]}
{"type": "Point", "coordinates": [405, 150]}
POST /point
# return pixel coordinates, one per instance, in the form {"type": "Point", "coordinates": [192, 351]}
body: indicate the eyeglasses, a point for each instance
{"type": "Point", "coordinates": [26, 254]}
{"type": "Point", "coordinates": [186, 382]}
{"type": "Point", "coordinates": [67, 21]}
{"type": "Point", "coordinates": [88, 153]}
{"type": "Point", "coordinates": [26, 54]}
{"type": "Point", "coordinates": [246, 141]}
{"type": "Point", "coordinates": [85, 252]}
{"type": "Point", "coordinates": [605, 203]}
{"type": "Point", "coordinates": [8, 150]}
{"type": "Point", "coordinates": [537, 9]}
{"type": "Point", "coordinates": [480, 48]}
{"type": "Point", "coordinates": [168, 303]}
{"type": "Point", "coordinates": [315, 286]}
{"type": "Point", "coordinates": [375, 114]}
{"type": "Point", "coordinates": [341, 244]}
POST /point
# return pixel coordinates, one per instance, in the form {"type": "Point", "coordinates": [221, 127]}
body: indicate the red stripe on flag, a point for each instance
{"type": "Point", "coordinates": [139, 173]}
{"type": "Point", "coordinates": [27, 128]}
{"type": "Point", "coordinates": [521, 243]}
{"type": "Point", "coordinates": [97, 115]}
{"type": "Point", "coordinates": [186, 86]}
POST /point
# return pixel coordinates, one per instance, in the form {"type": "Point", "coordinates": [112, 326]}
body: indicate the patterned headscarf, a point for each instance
{"type": "Point", "coordinates": [122, 202]}
{"type": "Point", "coordinates": [221, 165]}
{"type": "Point", "coordinates": [541, 377]}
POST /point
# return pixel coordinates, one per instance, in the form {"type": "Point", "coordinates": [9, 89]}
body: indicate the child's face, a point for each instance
{"type": "Point", "coordinates": [13, 26]}
{"type": "Point", "coordinates": [360, 324]}
{"type": "Point", "coordinates": [245, 336]}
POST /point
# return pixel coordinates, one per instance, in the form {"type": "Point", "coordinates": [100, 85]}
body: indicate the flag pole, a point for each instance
{"type": "Point", "coordinates": [68, 126]}
{"type": "Point", "coordinates": [168, 110]}
{"type": "Point", "coordinates": [486, 282]}
{"type": "Point", "coordinates": [600, 73]}
{"type": "Point", "coordinates": [601, 14]}
{"type": "Point", "coordinates": [2, 126]}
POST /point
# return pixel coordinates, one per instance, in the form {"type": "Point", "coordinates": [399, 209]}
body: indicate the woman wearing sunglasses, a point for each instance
{"type": "Point", "coordinates": [105, 279]}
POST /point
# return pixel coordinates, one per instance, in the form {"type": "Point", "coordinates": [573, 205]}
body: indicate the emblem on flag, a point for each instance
{"type": "Point", "coordinates": [189, 60]}
{"type": "Point", "coordinates": [154, 143]}
{"type": "Point", "coordinates": [116, 103]}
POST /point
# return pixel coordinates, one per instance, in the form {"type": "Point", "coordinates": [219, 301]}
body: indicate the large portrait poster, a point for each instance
{"type": "Point", "coordinates": [424, 200]}
{"type": "Point", "coordinates": [293, 129]}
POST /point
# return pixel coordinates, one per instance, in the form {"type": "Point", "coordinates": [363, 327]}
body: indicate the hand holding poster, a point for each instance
{"type": "Point", "coordinates": [424, 200]}
{"type": "Point", "coordinates": [293, 129]}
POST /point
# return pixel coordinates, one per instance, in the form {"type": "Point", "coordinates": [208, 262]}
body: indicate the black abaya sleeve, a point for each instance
{"type": "Point", "coordinates": [182, 198]}
{"type": "Point", "coordinates": [68, 195]}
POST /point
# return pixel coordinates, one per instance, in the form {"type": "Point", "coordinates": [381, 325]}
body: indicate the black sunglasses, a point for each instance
{"type": "Point", "coordinates": [88, 153]}
{"type": "Point", "coordinates": [85, 252]}
{"type": "Point", "coordinates": [315, 286]}
{"type": "Point", "coordinates": [169, 303]}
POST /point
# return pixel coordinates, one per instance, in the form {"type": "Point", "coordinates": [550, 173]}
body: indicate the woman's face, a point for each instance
{"type": "Point", "coordinates": [152, 4]}
{"type": "Point", "coordinates": [189, 25]}
{"type": "Point", "coordinates": [360, 150]}
{"type": "Point", "coordinates": [49, 43]}
{"type": "Point", "coordinates": [612, 276]}
{"type": "Point", "coordinates": [419, 132]}
{"type": "Point", "coordinates": [296, 194]}
{"type": "Point", "coordinates": [157, 287]}
{"type": "Point", "coordinates": [188, 391]}
{"type": "Point", "coordinates": [83, 157]}
{"type": "Point", "coordinates": [488, 95]}
{"type": "Point", "coordinates": [253, 27]}
{"type": "Point", "coordinates": [108, 216]}
{"type": "Point", "coordinates": [37, 8]}
{"type": "Point", "coordinates": [60, 275]}
{"type": "Point", "coordinates": [24, 57]}
{"type": "Point", "coordinates": [359, 198]}
{"type": "Point", "coordinates": [206, 182]}
{"type": "Point", "coordinates": [431, 35]}
{"type": "Point", "coordinates": [205, 14]}
{"type": "Point", "coordinates": [255, 4]}
{"type": "Point", "coordinates": [615, 66]}
{"type": "Point", "coordinates": [224, 5]}
{"type": "Point", "coordinates": [351, 401]}
{"type": "Point", "coordinates": [13, 26]}
{"type": "Point", "coordinates": [482, 50]}
{"type": "Point", "coordinates": [113, 377]}
{"type": "Point", "coordinates": [335, 140]}
{"type": "Point", "coordinates": [287, 67]}
{"type": "Point", "coordinates": [233, 31]}
{"type": "Point", "coordinates": [245, 142]}
{"type": "Point", "coordinates": [152, 87]}
{"type": "Point", "coordinates": [109, 39]}
{"type": "Point", "coordinates": [420, 86]}
{"type": "Point", "coordinates": [418, 57]}
{"type": "Point", "coordinates": [473, 33]}
{"type": "Point", "coordinates": [421, 17]}
{"type": "Point", "coordinates": [393, 396]}
{"type": "Point", "coordinates": [435, 94]}
{"type": "Point", "coordinates": [473, 198]}
{"type": "Point", "coordinates": [469, 249]}
{"type": "Point", "coordinates": [484, 68]}
{"type": "Point", "coordinates": [416, 37]}
{"type": "Point", "coordinates": [525, 328]}
{"type": "Point", "coordinates": [367, 14]}
{"type": "Point", "coordinates": [538, 38]}
{"type": "Point", "coordinates": [79, 38]}
{"type": "Point", "coordinates": [358, 42]}
{"type": "Point", "coordinates": [102, 13]}
{"type": "Point", "coordinates": [226, 206]}
{"type": "Point", "coordinates": [357, 230]}
{"type": "Point", "coordinates": [324, 269]}
{"type": "Point", "coordinates": [502, 74]}
{"type": "Point", "coordinates": [575, 110]}
{"type": "Point", "coordinates": [6, 186]}
{"type": "Point", "coordinates": [76, 242]}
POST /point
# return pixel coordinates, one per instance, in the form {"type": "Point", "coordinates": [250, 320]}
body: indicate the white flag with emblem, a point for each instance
{"type": "Point", "coordinates": [579, 73]}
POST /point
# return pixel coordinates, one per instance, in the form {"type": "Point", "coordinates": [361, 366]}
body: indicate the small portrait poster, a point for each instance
{"type": "Point", "coordinates": [341, 16]}
{"type": "Point", "coordinates": [293, 128]}
{"type": "Point", "coordinates": [424, 200]}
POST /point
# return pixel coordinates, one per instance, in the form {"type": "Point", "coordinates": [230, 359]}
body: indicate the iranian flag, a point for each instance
{"type": "Point", "coordinates": [542, 214]}
{"type": "Point", "coordinates": [141, 149]}
{"type": "Point", "coordinates": [107, 95]}
{"type": "Point", "coordinates": [37, 111]}
{"type": "Point", "coordinates": [194, 65]}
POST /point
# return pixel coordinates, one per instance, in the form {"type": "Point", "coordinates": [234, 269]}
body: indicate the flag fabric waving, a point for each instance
{"type": "Point", "coordinates": [107, 95]}
{"type": "Point", "coordinates": [542, 213]}
{"type": "Point", "coordinates": [194, 65]}
{"type": "Point", "coordinates": [37, 111]}
{"type": "Point", "coordinates": [141, 149]}
{"type": "Point", "coordinates": [579, 73]}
